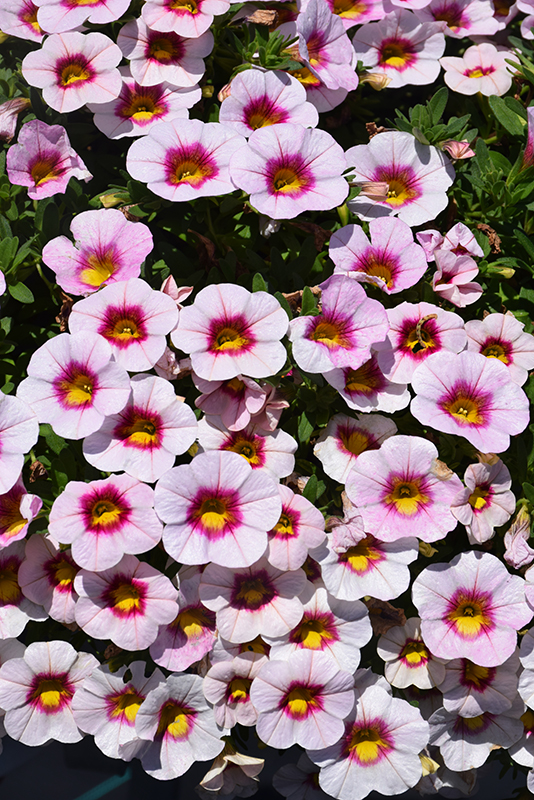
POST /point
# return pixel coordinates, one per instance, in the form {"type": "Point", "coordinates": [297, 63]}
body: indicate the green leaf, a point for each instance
{"type": "Point", "coordinates": [528, 491]}
{"type": "Point", "coordinates": [55, 443]}
{"type": "Point", "coordinates": [285, 305]}
{"type": "Point", "coordinates": [525, 242]}
{"type": "Point", "coordinates": [305, 428]}
{"type": "Point", "coordinates": [508, 118]}
{"type": "Point", "coordinates": [310, 490]}
{"type": "Point", "coordinates": [258, 283]}
{"type": "Point", "coordinates": [526, 294]}
{"type": "Point", "coordinates": [21, 293]}
{"type": "Point", "coordinates": [483, 156]}
{"type": "Point", "coordinates": [8, 248]}
{"type": "Point", "coordinates": [309, 303]}
{"type": "Point", "coordinates": [437, 104]}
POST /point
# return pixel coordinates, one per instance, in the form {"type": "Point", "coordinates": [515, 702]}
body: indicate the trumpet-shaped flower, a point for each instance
{"type": "Point", "coordinates": [20, 20]}
{"type": "Point", "coordinates": [501, 336]}
{"type": "Point", "coordinates": [299, 528]}
{"type": "Point", "coordinates": [482, 68]}
{"type": "Point", "coordinates": [356, 12]}
{"type": "Point", "coordinates": [189, 19]}
{"type": "Point", "coordinates": [37, 691]}
{"type": "Point", "coordinates": [518, 553]}
{"type": "Point", "coordinates": [58, 16]}
{"type": "Point", "coordinates": [73, 69]}
{"type": "Point", "coordinates": [46, 577]}
{"type": "Point", "coordinates": [73, 384]}
{"type": "Point", "coordinates": [472, 396]}
{"type": "Point", "coordinates": [19, 430]}
{"type": "Point", "coordinates": [230, 331]}
{"type": "Point", "coordinates": [146, 436]}
{"type": "Point", "coordinates": [470, 690]}
{"type": "Point", "coordinates": [107, 248]}
{"type": "Point", "coordinates": [452, 278]}
{"type": "Point", "coordinates": [235, 400]}
{"type": "Point", "coordinates": [409, 662]}
{"type": "Point", "coordinates": [227, 686]}
{"type": "Point", "coordinates": [17, 509]}
{"type": "Point", "coordinates": [43, 160]}
{"type": "Point", "coordinates": [367, 389]}
{"type": "Point", "coordinates": [463, 17]}
{"type": "Point", "coordinates": [471, 608]}
{"type": "Point", "coordinates": [486, 502]}
{"type": "Point", "coordinates": [15, 608]}
{"type": "Point", "coordinates": [231, 773]}
{"type": "Point", "coordinates": [460, 240]}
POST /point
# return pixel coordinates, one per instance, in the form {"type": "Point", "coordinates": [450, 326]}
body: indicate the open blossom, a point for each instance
{"type": "Point", "coordinates": [57, 16]}
{"type": "Point", "coordinates": [20, 20]}
{"type": "Point", "coordinates": [471, 396]}
{"type": "Point", "coordinates": [17, 509]}
{"type": "Point", "coordinates": [287, 169]}
{"type": "Point", "coordinates": [73, 384]}
{"type": "Point", "coordinates": [235, 400]}
{"type": "Point", "coordinates": [398, 493]}
{"type": "Point", "coordinates": [231, 772]}
{"type": "Point", "coordinates": [342, 335]}
{"type": "Point", "coordinates": [107, 248]}
{"type": "Point", "coordinates": [19, 431]}
{"type": "Point", "coordinates": [190, 20]}
{"type": "Point", "coordinates": [482, 68]}
{"type": "Point", "coordinates": [15, 608]}
{"type": "Point", "coordinates": [43, 160]}
{"type": "Point", "coordinates": [469, 689]}
{"type": "Point", "coordinates": [227, 685]}
{"type": "Point", "coordinates": [46, 577]}
{"type": "Point", "coordinates": [183, 159]}
{"type": "Point", "coordinates": [471, 608]}
{"type": "Point", "coordinates": [459, 239]}
{"type": "Point", "coordinates": [518, 552]}
{"type": "Point", "coordinates": [73, 69]}
{"type": "Point", "coordinates": [502, 336]}
{"type": "Point", "coordinates": [463, 17]}
{"type": "Point", "coordinates": [452, 278]}
{"type": "Point", "coordinates": [299, 528]}
{"type": "Point", "coordinates": [486, 502]}
{"type": "Point", "coordinates": [356, 12]}
{"type": "Point", "coordinates": [409, 662]}
{"type": "Point", "coordinates": [418, 177]}
{"type": "Point", "coordinates": [367, 389]}
{"type": "Point", "coordinates": [229, 331]}
{"type": "Point", "coordinates": [37, 691]}
{"type": "Point", "coordinates": [259, 99]}
{"type": "Point", "coordinates": [9, 114]}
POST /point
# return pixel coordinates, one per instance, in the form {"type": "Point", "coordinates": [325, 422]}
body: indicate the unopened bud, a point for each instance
{"type": "Point", "coordinates": [429, 765]}
{"type": "Point", "coordinates": [3, 37]}
{"type": "Point", "coordinates": [376, 80]}
{"type": "Point", "coordinates": [225, 92]}
{"type": "Point", "coordinates": [343, 214]}
{"type": "Point", "coordinates": [207, 91]}
{"type": "Point", "coordinates": [111, 200]}
{"type": "Point", "coordinates": [375, 190]}
{"type": "Point", "coordinates": [458, 150]}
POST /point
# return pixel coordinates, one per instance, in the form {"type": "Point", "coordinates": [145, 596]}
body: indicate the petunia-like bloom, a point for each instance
{"type": "Point", "coordinates": [259, 99]}
{"type": "Point", "coordinates": [452, 278]}
{"type": "Point", "coordinates": [502, 336]}
{"type": "Point", "coordinates": [235, 400]}
{"type": "Point", "coordinates": [73, 384]}
{"type": "Point", "coordinates": [463, 17]}
{"type": "Point", "coordinates": [107, 248]}
{"type": "Point", "coordinates": [43, 160]}
{"type": "Point", "coordinates": [46, 577]}
{"type": "Point", "coordinates": [138, 108]}
{"type": "Point", "coordinates": [472, 396]}
{"type": "Point", "coordinates": [217, 509]}
{"type": "Point", "coordinates": [231, 773]}
{"type": "Point", "coordinates": [187, 19]}
{"type": "Point", "coordinates": [299, 528]}
{"type": "Point", "coordinates": [106, 706]}
{"type": "Point", "coordinates": [191, 634]}
{"type": "Point", "coordinates": [399, 493]}
{"type": "Point", "coordinates": [356, 12]}
{"type": "Point", "coordinates": [37, 691]}
{"type": "Point", "coordinates": [342, 335]}
{"type": "Point", "coordinates": [230, 331]}
{"type": "Point", "coordinates": [337, 627]}
{"type": "Point", "coordinates": [345, 439]}
{"type": "Point", "coordinates": [126, 603]}
{"type": "Point", "coordinates": [287, 169]}
{"type": "Point", "coordinates": [134, 319]}
{"type": "Point", "coordinates": [103, 520]}
{"type": "Point", "coordinates": [252, 601]}
{"type": "Point", "coordinates": [486, 502]}
{"type": "Point", "coordinates": [392, 260]}
{"type": "Point", "coordinates": [482, 68]}
{"type": "Point", "coordinates": [58, 16]}
{"type": "Point", "coordinates": [17, 510]}
{"type": "Point", "coordinates": [460, 240]}
{"type": "Point", "coordinates": [518, 553]}
{"type": "Point", "coordinates": [146, 436]}
{"type": "Point", "coordinates": [401, 47]}
{"type": "Point", "coordinates": [15, 608]}
{"type": "Point", "coordinates": [156, 57]}
{"type": "Point", "coordinates": [415, 332]}
{"type": "Point", "coordinates": [20, 20]}
{"type": "Point", "coordinates": [19, 430]}
{"type": "Point", "coordinates": [73, 69]}
{"type": "Point", "coordinates": [9, 114]}
{"type": "Point", "coordinates": [262, 449]}
{"type": "Point", "coordinates": [409, 662]}
{"type": "Point", "coordinates": [227, 685]}
{"type": "Point", "coordinates": [178, 726]}
{"type": "Point", "coordinates": [367, 389]}
{"type": "Point", "coordinates": [471, 608]}
{"type": "Point", "coordinates": [379, 749]}
{"type": "Point", "coordinates": [185, 158]}
{"type": "Point", "coordinates": [470, 690]}
{"type": "Point", "coordinates": [418, 177]}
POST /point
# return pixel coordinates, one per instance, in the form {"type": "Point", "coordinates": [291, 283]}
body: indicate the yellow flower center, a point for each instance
{"type": "Point", "coordinates": [305, 76]}
{"type": "Point", "coordinates": [126, 599]}
{"type": "Point", "coordinates": [64, 573]}
{"type": "Point", "coordinates": [379, 269]}
{"type": "Point", "coordinates": [469, 617]}
{"type": "Point", "coordinates": [73, 73]}
{"type": "Point", "coordinates": [477, 498]}
{"type": "Point", "coordinates": [284, 526]}
{"type": "Point", "coordinates": [257, 645]}
{"type": "Point", "coordinates": [287, 180]}
{"type": "Point", "coordinates": [474, 674]}
{"type": "Point", "coordinates": [396, 55]}
{"type": "Point", "coordinates": [186, 5]}
{"type": "Point", "coordinates": [300, 701]}
{"type": "Point", "coordinates": [253, 593]}
{"type": "Point", "coordinates": [230, 338]}
{"type": "Point", "coordinates": [100, 269]}
{"type": "Point", "coordinates": [238, 690]}
{"type": "Point", "coordinates": [11, 520]}
{"type": "Point", "coordinates": [349, 8]}
{"type": "Point", "coordinates": [78, 391]}
{"type": "Point", "coordinates": [250, 449]}
{"type": "Point", "coordinates": [104, 513]}
{"type": "Point", "coordinates": [162, 50]}
{"type": "Point", "coordinates": [10, 593]}
{"type": "Point", "coordinates": [142, 432]}
{"type": "Point", "coordinates": [175, 720]}
{"type": "Point", "coordinates": [214, 514]}
{"type": "Point", "coordinates": [355, 441]}
{"type": "Point", "coordinates": [407, 496]}
{"type": "Point", "coordinates": [29, 16]}
{"type": "Point", "coordinates": [368, 744]}
{"type": "Point", "coordinates": [361, 557]}
{"type": "Point", "coordinates": [496, 350]}
{"type": "Point", "coordinates": [399, 192]}
{"type": "Point", "coordinates": [528, 720]}
{"type": "Point", "coordinates": [193, 622]}
{"type": "Point", "coordinates": [50, 693]}
{"type": "Point", "coordinates": [313, 632]}
{"type": "Point", "coordinates": [190, 171]}
{"type": "Point", "coordinates": [414, 653]}
{"type": "Point", "coordinates": [329, 334]}
{"type": "Point", "coordinates": [465, 410]}
{"type": "Point", "coordinates": [363, 380]}
{"type": "Point", "coordinates": [44, 170]}
{"type": "Point", "coordinates": [126, 704]}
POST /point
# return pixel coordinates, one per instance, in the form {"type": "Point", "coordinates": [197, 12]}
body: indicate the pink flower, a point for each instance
{"type": "Point", "coordinates": [47, 575]}
{"type": "Point", "coordinates": [19, 431]}
{"type": "Point", "coordinates": [17, 510]}
{"type": "Point", "coordinates": [227, 685]}
{"type": "Point", "coordinates": [409, 662]}
{"type": "Point", "coordinates": [463, 18]}
{"type": "Point", "coordinates": [460, 240]}
{"type": "Point", "coordinates": [482, 68]}
{"type": "Point", "coordinates": [486, 502]}
{"type": "Point", "coordinates": [20, 20]}
{"type": "Point", "coordinates": [458, 150]}
{"type": "Point", "coordinates": [235, 400]}
{"type": "Point", "coordinates": [299, 528]}
{"type": "Point", "coordinates": [15, 608]}
{"type": "Point", "coordinates": [502, 336]}
{"type": "Point", "coordinates": [57, 16]}
{"type": "Point", "coordinates": [356, 12]}
{"type": "Point", "coordinates": [44, 161]}
{"type": "Point", "coordinates": [367, 389]}
{"type": "Point", "coordinates": [187, 20]}
{"type": "Point", "coordinates": [9, 114]}
{"type": "Point", "coordinates": [73, 69]}
{"type": "Point", "coordinates": [518, 553]}
{"type": "Point", "coordinates": [471, 690]}
{"type": "Point", "coordinates": [452, 279]}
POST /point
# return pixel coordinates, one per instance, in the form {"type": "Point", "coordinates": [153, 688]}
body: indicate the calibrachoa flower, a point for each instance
{"type": "Point", "coordinates": [482, 68]}
{"type": "Point", "coordinates": [9, 114]}
{"type": "Point", "coordinates": [19, 430]}
{"type": "Point", "coordinates": [452, 278]}
{"type": "Point", "coordinates": [183, 159]}
{"type": "Point", "coordinates": [258, 99]}
{"type": "Point", "coordinates": [379, 749]}
{"type": "Point", "coordinates": [134, 319]}
{"type": "Point", "coordinates": [401, 47]}
{"type": "Point", "coordinates": [367, 389]}
{"type": "Point", "coordinates": [418, 177]}
{"type": "Point", "coordinates": [518, 553]}
{"type": "Point", "coordinates": [470, 690]}
{"type": "Point", "coordinates": [230, 331]}
{"type": "Point", "coordinates": [57, 16]}
{"type": "Point", "coordinates": [217, 509]}
{"type": "Point", "coordinates": [287, 169]}
{"type": "Point", "coordinates": [409, 662]}
{"type": "Point", "coordinates": [463, 17]}
{"type": "Point", "coordinates": [227, 686]}
{"type": "Point", "coordinates": [231, 773]}
{"type": "Point", "coordinates": [43, 160]}
{"type": "Point", "coordinates": [46, 576]}
{"type": "Point", "coordinates": [486, 502]}
{"type": "Point", "coordinates": [107, 248]}
{"type": "Point", "coordinates": [471, 608]}
{"type": "Point", "coordinates": [126, 603]}
{"type": "Point", "coordinates": [415, 332]}
{"type": "Point", "coordinates": [189, 19]}
{"type": "Point", "coordinates": [501, 336]}
{"type": "Point", "coordinates": [472, 396]}
{"type": "Point", "coordinates": [15, 608]}
{"type": "Point", "coordinates": [138, 108]}
{"type": "Point", "coordinates": [302, 701]}
{"type": "Point", "coordinates": [398, 492]}
{"type": "Point", "coordinates": [146, 436]}
{"type": "Point", "coordinates": [17, 509]}
{"type": "Point", "coordinates": [103, 520]}
{"type": "Point", "coordinates": [20, 20]}
{"type": "Point", "coordinates": [345, 439]}
{"type": "Point", "coordinates": [460, 240]}
{"type": "Point", "coordinates": [356, 12]}
{"type": "Point", "coordinates": [73, 69]}
{"type": "Point", "coordinates": [337, 627]}
{"type": "Point", "coordinates": [73, 384]}
{"type": "Point", "coordinates": [235, 400]}
{"type": "Point", "coordinates": [299, 528]}
{"type": "Point", "coordinates": [156, 57]}
{"type": "Point", "coordinates": [342, 335]}
{"type": "Point", "coordinates": [392, 261]}
{"type": "Point", "coordinates": [106, 706]}
{"type": "Point", "coordinates": [252, 601]}
{"type": "Point", "coordinates": [37, 691]}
